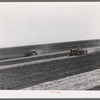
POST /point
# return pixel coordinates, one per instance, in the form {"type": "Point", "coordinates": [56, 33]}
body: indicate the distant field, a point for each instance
{"type": "Point", "coordinates": [32, 58]}
{"type": "Point", "coordinates": [52, 63]}
{"type": "Point", "coordinates": [33, 74]}
{"type": "Point", "coordinates": [16, 52]}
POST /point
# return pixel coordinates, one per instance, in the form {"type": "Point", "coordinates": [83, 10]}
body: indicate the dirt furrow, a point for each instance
{"type": "Point", "coordinates": [82, 81]}
{"type": "Point", "coordinates": [33, 58]}
{"type": "Point", "coordinates": [27, 74]}
{"type": "Point", "coordinates": [35, 62]}
{"type": "Point", "coordinates": [41, 57]}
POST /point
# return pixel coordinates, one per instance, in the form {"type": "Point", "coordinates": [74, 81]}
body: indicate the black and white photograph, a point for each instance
{"type": "Point", "coordinates": [50, 46]}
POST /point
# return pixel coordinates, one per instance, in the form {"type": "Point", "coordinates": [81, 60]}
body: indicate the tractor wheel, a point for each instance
{"type": "Point", "coordinates": [70, 54]}
{"type": "Point", "coordinates": [36, 53]}
{"type": "Point", "coordinates": [86, 52]}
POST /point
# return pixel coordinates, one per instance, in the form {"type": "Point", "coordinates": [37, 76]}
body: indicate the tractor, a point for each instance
{"type": "Point", "coordinates": [30, 53]}
{"type": "Point", "coordinates": [77, 52]}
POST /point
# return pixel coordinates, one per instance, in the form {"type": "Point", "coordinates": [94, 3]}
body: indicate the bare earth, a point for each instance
{"type": "Point", "coordinates": [82, 81]}
{"type": "Point", "coordinates": [90, 50]}
{"type": "Point", "coordinates": [51, 72]}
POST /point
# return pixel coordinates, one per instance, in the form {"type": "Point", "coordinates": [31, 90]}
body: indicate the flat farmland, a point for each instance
{"type": "Point", "coordinates": [27, 75]}
{"type": "Point", "coordinates": [17, 52]}
{"type": "Point", "coordinates": [32, 58]}
{"type": "Point", "coordinates": [23, 72]}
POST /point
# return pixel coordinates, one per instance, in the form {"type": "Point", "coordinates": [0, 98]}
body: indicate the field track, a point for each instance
{"type": "Point", "coordinates": [51, 56]}
{"type": "Point", "coordinates": [24, 72]}
{"type": "Point", "coordinates": [82, 81]}
{"type": "Point", "coordinates": [27, 60]}
{"type": "Point", "coordinates": [35, 62]}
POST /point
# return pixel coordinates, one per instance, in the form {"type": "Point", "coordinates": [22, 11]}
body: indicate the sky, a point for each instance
{"type": "Point", "coordinates": [30, 23]}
